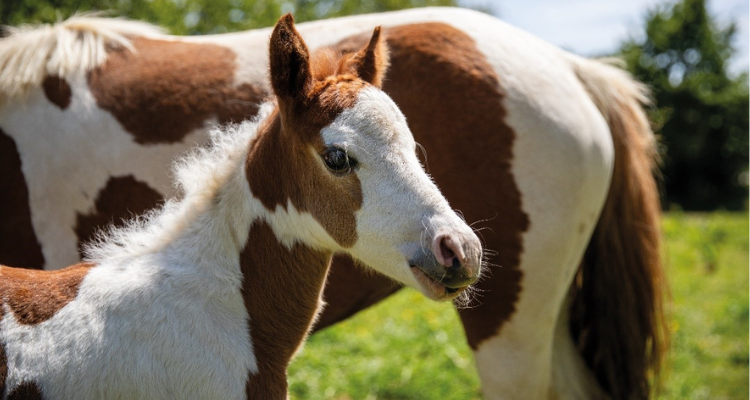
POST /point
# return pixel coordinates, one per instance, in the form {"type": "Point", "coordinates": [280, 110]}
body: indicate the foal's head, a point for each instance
{"type": "Point", "coordinates": [337, 169]}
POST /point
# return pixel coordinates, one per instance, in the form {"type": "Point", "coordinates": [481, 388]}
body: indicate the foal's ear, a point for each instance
{"type": "Point", "coordinates": [290, 61]}
{"type": "Point", "coordinates": [371, 62]}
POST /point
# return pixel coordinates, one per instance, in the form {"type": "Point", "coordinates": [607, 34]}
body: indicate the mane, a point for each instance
{"type": "Point", "coordinates": [199, 178]}
{"type": "Point", "coordinates": [77, 45]}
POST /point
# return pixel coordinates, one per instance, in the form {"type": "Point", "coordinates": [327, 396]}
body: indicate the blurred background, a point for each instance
{"type": "Point", "coordinates": [694, 56]}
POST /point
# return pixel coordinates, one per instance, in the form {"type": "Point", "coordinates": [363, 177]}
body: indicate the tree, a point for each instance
{"type": "Point", "coordinates": [701, 110]}
{"type": "Point", "coordinates": [201, 16]}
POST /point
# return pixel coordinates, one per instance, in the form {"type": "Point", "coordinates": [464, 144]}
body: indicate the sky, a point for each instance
{"type": "Point", "coordinates": [598, 27]}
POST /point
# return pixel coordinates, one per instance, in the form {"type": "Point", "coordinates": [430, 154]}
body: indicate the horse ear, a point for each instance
{"type": "Point", "coordinates": [370, 63]}
{"type": "Point", "coordinates": [290, 61]}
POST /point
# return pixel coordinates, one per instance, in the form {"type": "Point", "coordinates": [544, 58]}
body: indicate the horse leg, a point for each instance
{"type": "Point", "coordinates": [518, 359]}
{"type": "Point", "coordinates": [571, 377]}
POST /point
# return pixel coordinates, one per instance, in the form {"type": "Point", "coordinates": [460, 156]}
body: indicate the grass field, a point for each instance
{"type": "Point", "coordinates": [409, 348]}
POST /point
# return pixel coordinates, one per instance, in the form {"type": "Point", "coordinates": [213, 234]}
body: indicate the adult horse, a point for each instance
{"type": "Point", "coordinates": [211, 296]}
{"type": "Point", "coordinates": [551, 153]}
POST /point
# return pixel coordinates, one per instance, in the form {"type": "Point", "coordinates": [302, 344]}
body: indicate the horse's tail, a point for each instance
{"type": "Point", "coordinates": [616, 313]}
{"type": "Point", "coordinates": [30, 53]}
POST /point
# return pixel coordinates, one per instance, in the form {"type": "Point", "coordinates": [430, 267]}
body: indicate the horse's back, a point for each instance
{"type": "Point", "coordinates": [116, 127]}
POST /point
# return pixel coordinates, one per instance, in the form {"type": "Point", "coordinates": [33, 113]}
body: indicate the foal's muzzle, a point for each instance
{"type": "Point", "coordinates": [451, 264]}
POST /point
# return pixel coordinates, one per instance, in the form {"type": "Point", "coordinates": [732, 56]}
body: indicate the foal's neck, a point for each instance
{"type": "Point", "coordinates": [281, 289]}
{"type": "Point", "coordinates": [281, 280]}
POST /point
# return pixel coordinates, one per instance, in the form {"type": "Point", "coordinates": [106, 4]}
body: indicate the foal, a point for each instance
{"type": "Point", "coordinates": [211, 296]}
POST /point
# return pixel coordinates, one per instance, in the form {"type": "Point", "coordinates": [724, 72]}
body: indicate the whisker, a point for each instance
{"type": "Point", "coordinates": [426, 231]}
{"type": "Point", "coordinates": [470, 298]}
{"type": "Point", "coordinates": [424, 153]}
{"type": "Point", "coordinates": [488, 252]}
{"type": "Point", "coordinates": [460, 215]}
{"type": "Point", "coordinates": [485, 220]}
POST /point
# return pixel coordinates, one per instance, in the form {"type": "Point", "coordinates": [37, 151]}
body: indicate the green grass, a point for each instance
{"type": "Point", "coordinates": [404, 348]}
{"type": "Point", "coordinates": [707, 261]}
{"type": "Point", "coordinates": [410, 348]}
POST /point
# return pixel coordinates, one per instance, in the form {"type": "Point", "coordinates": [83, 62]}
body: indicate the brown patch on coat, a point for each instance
{"type": "Point", "coordinates": [19, 245]}
{"type": "Point", "coordinates": [119, 200]}
{"type": "Point", "coordinates": [164, 90]}
{"type": "Point", "coordinates": [281, 288]}
{"type": "Point", "coordinates": [452, 100]}
{"type": "Point", "coordinates": [57, 91]}
{"type": "Point", "coordinates": [26, 391]}
{"type": "Point", "coordinates": [36, 296]}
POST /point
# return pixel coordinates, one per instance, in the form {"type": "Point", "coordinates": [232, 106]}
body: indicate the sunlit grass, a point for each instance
{"type": "Point", "coordinates": [707, 262]}
{"type": "Point", "coordinates": [404, 348]}
{"type": "Point", "coordinates": [410, 348]}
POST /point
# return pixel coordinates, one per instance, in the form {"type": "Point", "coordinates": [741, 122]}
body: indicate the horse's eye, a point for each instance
{"type": "Point", "coordinates": [338, 160]}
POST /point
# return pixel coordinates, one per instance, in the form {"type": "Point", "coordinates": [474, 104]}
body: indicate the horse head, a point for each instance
{"type": "Point", "coordinates": [339, 163]}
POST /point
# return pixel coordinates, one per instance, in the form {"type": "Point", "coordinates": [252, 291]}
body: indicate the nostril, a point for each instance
{"type": "Point", "coordinates": [447, 251]}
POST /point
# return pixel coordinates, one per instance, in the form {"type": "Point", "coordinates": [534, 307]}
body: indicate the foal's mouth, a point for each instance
{"type": "Point", "coordinates": [433, 288]}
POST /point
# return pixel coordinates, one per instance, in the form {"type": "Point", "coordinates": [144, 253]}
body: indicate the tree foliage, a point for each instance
{"type": "Point", "coordinates": [702, 110]}
{"type": "Point", "coordinates": [201, 16]}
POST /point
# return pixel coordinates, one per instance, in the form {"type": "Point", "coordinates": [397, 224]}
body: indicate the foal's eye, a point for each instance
{"type": "Point", "coordinates": [338, 160]}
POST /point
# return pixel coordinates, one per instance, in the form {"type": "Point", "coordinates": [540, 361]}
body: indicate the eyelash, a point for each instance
{"type": "Point", "coordinates": [338, 160]}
